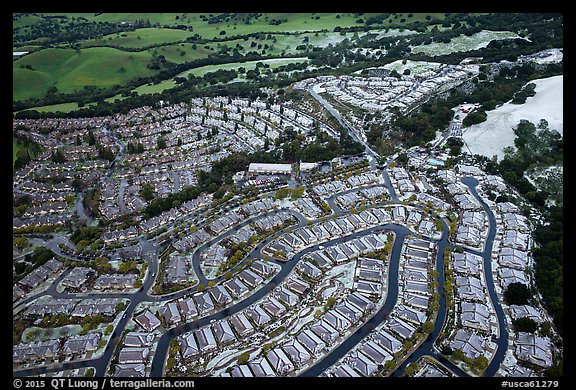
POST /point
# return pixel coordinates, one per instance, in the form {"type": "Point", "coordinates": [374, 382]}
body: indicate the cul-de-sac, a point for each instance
{"type": "Point", "coordinates": [287, 195]}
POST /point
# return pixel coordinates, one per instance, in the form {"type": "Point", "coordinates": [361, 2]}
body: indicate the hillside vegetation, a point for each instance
{"type": "Point", "coordinates": [66, 70]}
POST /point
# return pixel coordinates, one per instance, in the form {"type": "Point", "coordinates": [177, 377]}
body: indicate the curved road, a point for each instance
{"type": "Point", "coordinates": [427, 348]}
{"type": "Point", "coordinates": [163, 344]}
{"type": "Point", "coordinates": [151, 257]}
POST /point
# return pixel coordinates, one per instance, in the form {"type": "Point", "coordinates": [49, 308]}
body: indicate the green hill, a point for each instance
{"type": "Point", "coordinates": [69, 70]}
{"type": "Point", "coordinates": [140, 38]}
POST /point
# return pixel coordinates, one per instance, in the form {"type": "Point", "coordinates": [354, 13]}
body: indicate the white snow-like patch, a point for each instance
{"type": "Point", "coordinates": [489, 138]}
{"type": "Point", "coordinates": [464, 43]}
{"type": "Point", "coordinates": [416, 67]}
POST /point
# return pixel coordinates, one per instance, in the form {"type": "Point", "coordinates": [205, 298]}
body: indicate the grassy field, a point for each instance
{"type": "Point", "coordinates": [139, 38]}
{"type": "Point", "coordinates": [69, 70]}
{"type": "Point", "coordinates": [294, 21]}
{"type": "Point", "coordinates": [16, 147]}
{"type": "Point", "coordinates": [248, 65]}
{"type": "Point", "coordinates": [106, 64]}
{"type": "Point", "coordinates": [63, 107]}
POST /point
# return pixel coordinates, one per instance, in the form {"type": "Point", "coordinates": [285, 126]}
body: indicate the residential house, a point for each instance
{"type": "Point", "coordinates": [258, 316]}
{"type": "Point", "coordinates": [375, 352]}
{"type": "Point", "coordinates": [511, 275]}
{"type": "Point", "coordinates": [77, 277]}
{"type": "Point", "coordinates": [236, 287]}
{"type": "Point", "coordinates": [223, 332]}
{"type": "Point", "coordinates": [325, 331]}
{"type": "Point", "coordinates": [310, 270]}
{"type": "Point", "coordinates": [79, 344]}
{"type": "Point", "coordinates": [368, 288]}
{"type": "Point", "coordinates": [130, 370]}
{"type": "Point", "coordinates": [170, 313]}
{"type": "Point", "coordinates": [411, 314]}
{"type": "Point", "coordinates": [286, 296]}
{"type": "Point", "coordinates": [220, 295]}
{"type": "Point", "coordinates": [279, 361]}
{"type": "Point", "coordinates": [336, 320]}
{"type": "Point", "coordinates": [188, 309]}
{"type": "Point", "coordinates": [513, 258]}
{"type": "Point", "coordinates": [115, 281]}
{"type": "Point", "coordinates": [203, 302]}
{"type": "Point", "coordinates": [470, 343]}
{"type": "Point", "coordinates": [273, 306]}
{"type": "Point", "coordinates": [416, 300]}
{"type": "Point", "coordinates": [261, 368]}
{"type": "Point", "coordinates": [311, 341]}
{"type": "Point", "coordinates": [133, 355]}
{"type": "Point", "coordinates": [39, 350]}
{"type": "Point", "coordinates": [387, 340]}
{"type": "Point", "coordinates": [148, 321]}
{"type": "Point", "coordinates": [343, 369]}
{"type": "Point", "coordinates": [475, 315]}
{"type": "Point", "coordinates": [241, 371]}
{"type": "Point", "coordinates": [139, 339]}
{"type": "Point", "coordinates": [262, 268]}
{"type": "Point", "coordinates": [470, 288]}
{"type": "Point", "coordinates": [361, 363]}
{"type": "Point", "coordinates": [206, 340]}
{"type": "Point", "coordinates": [400, 327]}
{"type": "Point", "coordinates": [521, 311]}
{"type": "Point", "coordinates": [467, 263]}
{"type": "Point", "coordinates": [533, 349]}
{"type": "Point", "coordinates": [250, 278]}
{"type": "Point", "coordinates": [93, 306]}
{"type": "Point", "coordinates": [188, 345]}
{"type": "Point", "coordinates": [296, 351]}
{"type": "Point", "coordinates": [241, 324]}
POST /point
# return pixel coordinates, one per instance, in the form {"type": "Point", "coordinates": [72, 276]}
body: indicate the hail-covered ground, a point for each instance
{"type": "Point", "coordinates": [489, 138]}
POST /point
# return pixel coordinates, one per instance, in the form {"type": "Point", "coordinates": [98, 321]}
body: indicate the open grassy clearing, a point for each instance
{"type": "Point", "coordinates": [294, 21]}
{"type": "Point", "coordinates": [181, 52]}
{"type": "Point", "coordinates": [69, 70]}
{"type": "Point", "coordinates": [62, 107]}
{"type": "Point", "coordinates": [16, 147]}
{"type": "Point", "coordinates": [139, 38]}
{"type": "Point", "coordinates": [167, 84]}
{"type": "Point", "coordinates": [248, 65]}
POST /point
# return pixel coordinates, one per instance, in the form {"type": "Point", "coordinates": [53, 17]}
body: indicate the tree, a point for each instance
{"type": "Point", "coordinates": [90, 139]}
{"type": "Point", "coordinates": [411, 369]}
{"type": "Point", "coordinates": [457, 354]}
{"type": "Point", "coordinates": [525, 324]}
{"type": "Point", "coordinates": [330, 302]}
{"type": "Point", "coordinates": [480, 363]}
{"type": "Point", "coordinates": [517, 294]}
{"type": "Point", "coordinates": [428, 327]}
{"type": "Point", "coordinates": [58, 156]}
{"type": "Point", "coordinates": [474, 117]}
{"type": "Point", "coordinates": [109, 329]}
{"type": "Point", "coordinates": [147, 191]}
{"type": "Point", "coordinates": [243, 358]}
{"type": "Point", "coordinates": [21, 242]}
